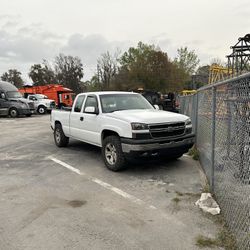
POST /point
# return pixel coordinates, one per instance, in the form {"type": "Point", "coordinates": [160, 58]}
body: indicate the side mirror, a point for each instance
{"type": "Point", "coordinates": [3, 96]}
{"type": "Point", "coordinates": [91, 110]}
{"type": "Point", "coordinates": [156, 107]}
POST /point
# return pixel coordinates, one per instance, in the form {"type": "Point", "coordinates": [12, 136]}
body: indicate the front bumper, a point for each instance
{"type": "Point", "coordinates": [132, 145]}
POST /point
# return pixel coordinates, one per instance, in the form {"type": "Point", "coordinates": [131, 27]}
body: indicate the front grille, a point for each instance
{"type": "Point", "coordinates": [167, 129]}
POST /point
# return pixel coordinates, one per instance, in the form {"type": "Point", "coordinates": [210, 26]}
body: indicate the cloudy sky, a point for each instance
{"type": "Point", "coordinates": [33, 30]}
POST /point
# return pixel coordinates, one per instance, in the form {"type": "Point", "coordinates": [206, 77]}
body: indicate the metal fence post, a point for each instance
{"type": "Point", "coordinates": [213, 137]}
{"type": "Point", "coordinates": [196, 115]}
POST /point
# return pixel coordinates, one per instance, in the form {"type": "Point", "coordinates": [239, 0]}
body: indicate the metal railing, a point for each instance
{"type": "Point", "coordinates": [221, 118]}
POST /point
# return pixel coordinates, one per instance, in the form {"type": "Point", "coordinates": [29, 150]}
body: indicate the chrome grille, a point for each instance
{"type": "Point", "coordinates": [167, 129]}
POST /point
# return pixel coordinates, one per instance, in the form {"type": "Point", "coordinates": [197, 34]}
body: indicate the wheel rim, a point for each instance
{"type": "Point", "coordinates": [110, 154]}
{"type": "Point", "coordinates": [13, 113]}
{"type": "Point", "coordinates": [58, 136]}
{"type": "Point", "coordinates": [41, 110]}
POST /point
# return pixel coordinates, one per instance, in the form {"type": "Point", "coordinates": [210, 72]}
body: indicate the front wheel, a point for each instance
{"type": "Point", "coordinates": [61, 140]}
{"type": "Point", "coordinates": [112, 153]}
{"type": "Point", "coordinates": [13, 113]}
{"type": "Point", "coordinates": [41, 110]}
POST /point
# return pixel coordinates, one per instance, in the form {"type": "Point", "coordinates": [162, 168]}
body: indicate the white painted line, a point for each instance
{"type": "Point", "coordinates": [66, 165]}
{"type": "Point", "coordinates": [118, 191]}
{"type": "Point", "coordinates": [101, 183]}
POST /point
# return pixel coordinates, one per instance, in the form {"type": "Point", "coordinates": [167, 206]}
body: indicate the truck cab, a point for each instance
{"type": "Point", "coordinates": [12, 102]}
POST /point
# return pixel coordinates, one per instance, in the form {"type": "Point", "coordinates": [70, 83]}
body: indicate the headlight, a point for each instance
{"type": "Point", "coordinates": [139, 126]}
{"type": "Point", "coordinates": [188, 122]}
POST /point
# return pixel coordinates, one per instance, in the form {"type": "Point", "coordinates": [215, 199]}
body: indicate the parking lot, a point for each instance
{"type": "Point", "coordinates": [65, 198]}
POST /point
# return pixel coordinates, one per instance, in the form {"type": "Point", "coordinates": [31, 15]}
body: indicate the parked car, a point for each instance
{"type": "Point", "coordinates": [12, 103]}
{"type": "Point", "coordinates": [122, 124]}
{"type": "Point", "coordinates": [42, 103]}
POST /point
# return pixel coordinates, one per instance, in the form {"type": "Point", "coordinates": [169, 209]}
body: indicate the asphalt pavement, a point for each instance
{"type": "Point", "coordinates": [65, 198]}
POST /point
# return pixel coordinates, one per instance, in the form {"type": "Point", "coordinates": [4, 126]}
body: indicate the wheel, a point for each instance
{"type": "Point", "coordinates": [60, 139]}
{"type": "Point", "coordinates": [41, 110]}
{"type": "Point", "coordinates": [13, 113]}
{"type": "Point", "coordinates": [112, 153]}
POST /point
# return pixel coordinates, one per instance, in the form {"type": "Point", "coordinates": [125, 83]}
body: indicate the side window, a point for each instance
{"type": "Point", "coordinates": [91, 102]}
{"type": "Point", "coordinates": [79, 102]}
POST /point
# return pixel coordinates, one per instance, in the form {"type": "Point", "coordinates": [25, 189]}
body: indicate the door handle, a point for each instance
{"type": "Point", "coordinates": [81, 118]}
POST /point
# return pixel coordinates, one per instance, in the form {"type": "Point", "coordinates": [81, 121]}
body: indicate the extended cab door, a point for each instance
{"type": "Point", "coordinates": [76, 118]}
{"type": "Point", "coordinates": [91, 121]}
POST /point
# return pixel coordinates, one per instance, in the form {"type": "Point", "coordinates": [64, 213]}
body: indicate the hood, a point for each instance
{"type": "Point", "coordinates": [22, 100]}
{"type": "Point", "coordinates": [48, 101]}
{"type": "Point", "coordinates": [147, 116]}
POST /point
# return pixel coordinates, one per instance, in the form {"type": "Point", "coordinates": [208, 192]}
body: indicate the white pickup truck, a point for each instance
{"type": "Point", "coordinates": [123, 124]}
{"type": "Point", "coordinates": [42, 103]}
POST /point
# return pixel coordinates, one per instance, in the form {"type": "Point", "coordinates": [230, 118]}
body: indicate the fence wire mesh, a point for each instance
{"type": "Point", "coordinates": [229, 169]}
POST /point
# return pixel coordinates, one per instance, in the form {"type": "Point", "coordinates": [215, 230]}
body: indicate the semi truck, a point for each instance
{"type": "Point", "coordinates": [12, 103]}
{"type": "Point", "coordinates": [63, 96]}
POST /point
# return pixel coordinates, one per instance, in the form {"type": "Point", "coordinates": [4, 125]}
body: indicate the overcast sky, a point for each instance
{"type": "Point", "coordinates": [33, 30]}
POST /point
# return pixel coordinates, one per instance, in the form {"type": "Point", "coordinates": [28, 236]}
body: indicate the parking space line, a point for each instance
{"type": "Point", "coordinates": [103, 184]}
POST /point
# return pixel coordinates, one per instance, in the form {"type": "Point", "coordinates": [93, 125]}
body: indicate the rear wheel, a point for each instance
{"type": "Point", "coordinates": [13, 113]}
{"type": "Point", "coordinates": [61, 140]}
{"type": "Point", "coordinates": [112, 153]}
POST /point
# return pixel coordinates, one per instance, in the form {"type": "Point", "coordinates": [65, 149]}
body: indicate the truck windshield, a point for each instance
{"type": "Point", "coordinates": [13, 94]}
{"type": "Point", "coordinates": [116, 102]}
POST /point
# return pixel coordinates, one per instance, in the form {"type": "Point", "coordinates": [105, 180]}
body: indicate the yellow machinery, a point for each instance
{"type": "Point", "coordinates": [188, 92]}
{"type": "Point", "coordinates": [218, 73]}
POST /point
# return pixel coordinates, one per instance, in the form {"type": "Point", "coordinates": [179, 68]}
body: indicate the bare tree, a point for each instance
{"type": "Point", "coordinates": [107, 68]}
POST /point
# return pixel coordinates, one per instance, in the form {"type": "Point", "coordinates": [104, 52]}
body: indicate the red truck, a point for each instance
{"type": "Point", "coordinates": [63, 97]}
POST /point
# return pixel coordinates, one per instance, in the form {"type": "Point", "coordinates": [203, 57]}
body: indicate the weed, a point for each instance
{"type": "Point", "coordinates": [194, 153]}
{"type": "Point", "coordinates": [176, 200]}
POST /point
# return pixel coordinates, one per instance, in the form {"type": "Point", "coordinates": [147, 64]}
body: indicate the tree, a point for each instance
{"type": "Point", "coordinates": [148, 67]}
{"type": "Point", "coordinates": [13, 76]}
{"type": "Point", "coordinates": [107, 68]}
{"type": "Point", "coordinates": [187, 60]}
{"type": "Point", "coordinates": [42, 74]}
{"type": "Point", "coordinates": [69, 71]}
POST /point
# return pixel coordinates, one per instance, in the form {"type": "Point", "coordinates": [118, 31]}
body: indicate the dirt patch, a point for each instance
{"type": "Point", "coordinates": [76, 203]}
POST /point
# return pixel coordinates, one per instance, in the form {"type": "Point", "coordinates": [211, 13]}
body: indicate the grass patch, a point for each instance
{"type": "Point", "coordinates": [203, 241]}
{"type": "Point", "coordinates": [206, 188]}
{"type": "Point", "coordinates": [224, 239]}
{"type": "Point", "coordinates": [179, 193]}
{"type": "Point", "coordinates": [194, 153]}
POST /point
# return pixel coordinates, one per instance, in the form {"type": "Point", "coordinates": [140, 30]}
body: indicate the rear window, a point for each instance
{"type": "Point", "coordinates": [79, 101]}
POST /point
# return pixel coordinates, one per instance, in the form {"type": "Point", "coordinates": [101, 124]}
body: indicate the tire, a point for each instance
{"type": "Point", "coordinates": [60, 139]}
{"type": "Point", "coordinates": [41, 110]}
{"type": "Point", "coordinates": [13, 113]}
{"type": "Point", "coordinates": [112, 154]}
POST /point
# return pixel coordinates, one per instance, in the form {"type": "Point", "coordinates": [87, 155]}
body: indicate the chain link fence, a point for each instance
{"type": "Point", "coordinates": [221, 117]}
